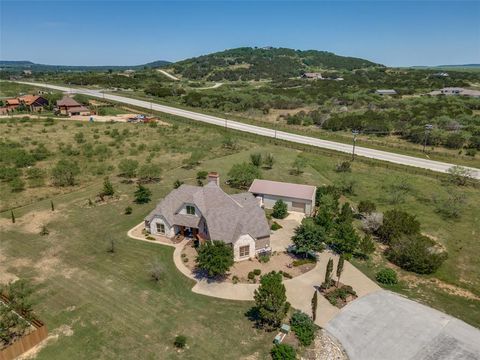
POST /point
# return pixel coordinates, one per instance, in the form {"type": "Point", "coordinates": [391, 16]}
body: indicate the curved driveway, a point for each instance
{"type": "Point", "coordinates": [258, 130]}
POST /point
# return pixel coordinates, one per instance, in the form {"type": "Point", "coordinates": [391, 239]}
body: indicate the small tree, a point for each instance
{"type": "Point", "coordinates": [128, 210]}
{"type": "Point", "coordinates": [298, 165]}
{"type": "Point", "coordinates": [303, 327]}
{"type": "Point", "coordinates": [128, 168]}
{"type": "Point", "coordinates": [142, 194]}
{"type": "Point", "coordinates": [108, 189]}
{"type": "Point", "coordinates": [256, 159]}
{"type": "Point", "coordinates": [64, 173]}
{"type": "Point", "coordinates": [280, 210]}
{"type": "Point", "coordinates": [13, 216]}
{"type": "Point", "coordinates": [17, 185]}
{"type": "Point", "coordinates": [314, 305]}
{"type": "Point", "coordinates": [459, 175]}
{"type": "Point", "coordinates": [242, 175]}
{"type": "Point", "coordinates": [366, 246]}
{"type": "Point", "coordinates": [155, 270]}
{"type": "Point", "coordinates": [51, 205]}
{"type": "Point", "coordinates": [271, 300]}
{"type": "Point", "coordinates": [396, 223]}
{"type": "Point", "coordinates": [215, 258]}
{"type": "Point", "coordinates": [328, 274]}
{"type": "Point", "coordinates": [283, 352]}
{"type": "Point", "coordinates": [180, 341]}
{"type": "Point", "coordinates": [309, 237]}
{"type": "Point", "coordinates": [340, 264]}
{"type": "Point", "coordinates": [268, 161]}
{"type": "Point", "coordinates": [149, 173]}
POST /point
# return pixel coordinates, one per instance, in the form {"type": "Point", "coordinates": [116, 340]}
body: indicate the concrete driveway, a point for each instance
{"type": "Point", "coordinates": [387, 326]}
{"type": "Point", "coordinates": [280, 239]}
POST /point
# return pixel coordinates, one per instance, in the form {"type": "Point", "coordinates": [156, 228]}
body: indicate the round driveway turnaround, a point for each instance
{"type": "Point", "coordinates": [386, 326]}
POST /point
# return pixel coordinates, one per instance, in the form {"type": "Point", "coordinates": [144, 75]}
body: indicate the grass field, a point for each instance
{"type": "Point", "coordinates": [103, 305]}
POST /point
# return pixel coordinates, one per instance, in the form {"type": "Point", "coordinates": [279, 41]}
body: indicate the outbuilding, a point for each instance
{"type": "Point", "coordinates": [298, 197]}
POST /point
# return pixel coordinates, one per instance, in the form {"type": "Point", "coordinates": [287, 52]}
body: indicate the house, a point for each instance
{"type": "Point", "coordinates": [34, 102]}
{"type": "Point", "coordinates": [207, 213]}
{"type": "Point", "coordinates": [385, 92]}
{"type": "Point", "coordinates": [68, 106]}
{"type": "Point", "coordinates": [312, 75]}
{"type": "Point", "coordinates": [11, 104]}
{"type": "Point", "coordinates": [456, 91]}
{"type": "Point", "coordinates": [300, 198]}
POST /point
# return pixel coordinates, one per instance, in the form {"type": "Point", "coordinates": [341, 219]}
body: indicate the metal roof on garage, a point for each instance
{"type": "Point", "coordinates": [283, 189]}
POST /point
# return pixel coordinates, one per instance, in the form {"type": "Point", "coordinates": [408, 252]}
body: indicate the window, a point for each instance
{"type": "Point", "coordinates": [244, 251]}
{"type": "Point", "coordinates": [190, 210]}
{"type": "Point", "coordinates": [160, 228]}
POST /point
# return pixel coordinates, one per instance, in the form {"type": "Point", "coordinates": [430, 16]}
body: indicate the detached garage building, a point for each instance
{"type": "Point", "coordinates": [298, 197]}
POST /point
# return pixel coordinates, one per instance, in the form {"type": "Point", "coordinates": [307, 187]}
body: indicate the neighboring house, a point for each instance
{"type": "Point", "coordinates": [208, 213]}
{"type": "Point", "coordinates": [11, 104]}
{"type": "Point", "coordinates": [312, 75]}
{"type": "Point", "coordinates": [32, 102]}
{"type": "Point", "coordinates": [68, 106]}
{"type": "Point", "coordinates": [385, 92]}
{"type": "Point", "coordinates": [300, 198]}
{"type": "Point", "coordinates": [456, 91]}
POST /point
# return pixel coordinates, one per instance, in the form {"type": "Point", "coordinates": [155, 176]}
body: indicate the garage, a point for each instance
{"type": "Point", "coordinates": [298, 197]}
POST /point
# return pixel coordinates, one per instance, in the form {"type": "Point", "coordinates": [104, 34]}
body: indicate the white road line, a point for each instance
{"type": "Point", "coordinates": [437, 166]}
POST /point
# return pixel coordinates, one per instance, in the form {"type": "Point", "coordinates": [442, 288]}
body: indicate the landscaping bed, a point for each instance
{"type": "Point", "coordinates": [339, 294]}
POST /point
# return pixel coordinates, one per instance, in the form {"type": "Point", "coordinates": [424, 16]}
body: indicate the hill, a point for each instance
{"type": "Point", "coordinates": [264, 63]}
{"type": "Point", "coordinates": [28, 65]}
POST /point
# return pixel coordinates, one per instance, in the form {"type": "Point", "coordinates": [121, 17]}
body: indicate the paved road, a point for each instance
{"type": "Point", "coordinates": [387, 326]}
{"type": "Point", "coordinates": [345, 148]}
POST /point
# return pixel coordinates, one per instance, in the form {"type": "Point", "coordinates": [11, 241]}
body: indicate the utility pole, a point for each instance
{"type": "Point", "coordinates": [428, 127]}
{"type": "Point", "coordinates": [354, 133]}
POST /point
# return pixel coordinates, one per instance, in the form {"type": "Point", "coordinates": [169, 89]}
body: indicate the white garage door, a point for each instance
{"type": "Point", "coordinates": [298, 206]}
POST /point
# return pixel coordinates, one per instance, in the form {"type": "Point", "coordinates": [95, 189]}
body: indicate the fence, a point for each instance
{"type": "Point", "coordinates": [26, 342]}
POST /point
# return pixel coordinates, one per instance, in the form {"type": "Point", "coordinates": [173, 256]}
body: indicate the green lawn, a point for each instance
{"type": "Point", "coordinates": [104, 306]}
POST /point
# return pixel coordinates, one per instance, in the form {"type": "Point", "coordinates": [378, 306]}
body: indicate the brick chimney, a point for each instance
{"type": "Point", "coordinates": [214, 177]}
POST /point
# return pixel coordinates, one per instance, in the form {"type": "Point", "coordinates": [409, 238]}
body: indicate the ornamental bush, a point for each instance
{"type": "Point", "coordinates": [280, 210]}
{"type": "Point", "coordinates": [304, 327]}
{"type": "Point", "coordinates": [283, 352]}
{"type": "Point", "coordinates": [387, 277]}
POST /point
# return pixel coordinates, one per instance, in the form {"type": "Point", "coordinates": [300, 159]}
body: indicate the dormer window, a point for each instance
{"type": "Point", "coordinates": [190, 209]}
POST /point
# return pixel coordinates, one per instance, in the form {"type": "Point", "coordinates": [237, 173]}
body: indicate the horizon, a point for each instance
{"type": "Point", "coordinates": [395, 34]}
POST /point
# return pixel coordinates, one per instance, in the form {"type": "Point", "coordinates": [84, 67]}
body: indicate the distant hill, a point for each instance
{"type": "Point", "coordinates": [470, 67]}
{"type": "Point", "coordinates": [28, 65]}
{"type": "Point", "coordinates": [264, 63]}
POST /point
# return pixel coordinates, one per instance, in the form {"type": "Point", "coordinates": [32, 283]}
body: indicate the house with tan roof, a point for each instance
{"type": "Point", "coordinates": [68, 106]}
{"type": "Point", "coordinates": [298, 197]}
{"type": "Point", "coordinates": [207, 213]}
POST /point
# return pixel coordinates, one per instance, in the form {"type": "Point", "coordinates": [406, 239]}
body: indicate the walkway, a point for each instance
{"type": "Point", "coordinates": [299, 289]}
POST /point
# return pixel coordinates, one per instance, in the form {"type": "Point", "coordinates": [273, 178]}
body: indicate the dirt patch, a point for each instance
{"type": "Point", "coordinates": [30, 223]}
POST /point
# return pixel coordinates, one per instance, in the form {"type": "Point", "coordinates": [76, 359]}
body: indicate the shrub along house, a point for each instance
{"type": "Point", "coordinates": [300, 198]}
{"type": "Point", "coordinates": [208, 213]}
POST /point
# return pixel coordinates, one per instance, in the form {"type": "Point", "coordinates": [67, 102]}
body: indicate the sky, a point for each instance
{"type": "Point", "coordinates": [394, 33]}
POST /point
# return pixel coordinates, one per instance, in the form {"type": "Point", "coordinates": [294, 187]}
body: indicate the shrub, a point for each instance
{"type": "Point", "coordinates": [256, 159]}
{"type": "Point", "coordinates": [202, 175]}
{"type": "Point", "coordinates": [177, 184]}
{"type": "Point", "coordinates": [264, 258]}
{"type": "Point", "coordinates": [283, 352]}
{"type": "Point", "coordinates": [275, 226]}
{"type": "Point", "coordinates": [304, 327]}
{"type": "Point", "coordinates": [155, 270]}
{"type": "Point", "coordinates": [396, 223]}
{"type": "Point", "coordinates": [251, 275]}
{"type": "Point", "coordinates": [128, 210]}
{"type": "Point", "coordinates": [301, 262]}
{"type": "Point", "coordinates": [128, 168]}
{"type": "Point", "coordinates": [344, 166]}
{"type": "Point", "coordinates": [17, 185]}
{"type": "Point", "coordinates": [366, 207]}
{"type": "Point", "coordinates": [459, 175]}
{"type": "Point", "coordinates": [44, 231]}
{"type": "Point", "coordinates": [257, 272]}
{"type": "Point", "coordinates": [415, 253]}
{"type": "Point", "coordinates": [387, 277]}
{"type": "Point", "coordinates": [286, 274]}
{"type": "Point", "coordinates": [142, 194]}
{"type": "Point", "coordinates": [280, 209]}
{"type": "Point", "coordinates": [340, 293]}
{"type": "Point", "coordinates": [180, 341]}
{"type": "Point", "coordinates": [64, 172]}
{"type": "Point", "coordinates": [235, 279]}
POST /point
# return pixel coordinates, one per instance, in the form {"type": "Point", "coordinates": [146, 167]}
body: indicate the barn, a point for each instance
{"type": "Point", "coordinates": [298, 197]}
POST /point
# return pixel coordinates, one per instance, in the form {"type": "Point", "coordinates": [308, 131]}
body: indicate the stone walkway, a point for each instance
{"type": "Point", "coordinates": [299, 289]}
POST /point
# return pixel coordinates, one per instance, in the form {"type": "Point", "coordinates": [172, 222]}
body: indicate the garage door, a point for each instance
{"type": "Point", "coordinates": [298, 206]}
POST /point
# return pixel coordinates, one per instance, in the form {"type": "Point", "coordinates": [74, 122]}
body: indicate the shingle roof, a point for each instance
{"type": "Point", "coordinates": [227, 217]}
{"type": "Point", "coordinates": [67, 101]}
{"type": "Point", "coordinates": [78, 109]}
{"type": "Point", "coordinates": [296, 191]}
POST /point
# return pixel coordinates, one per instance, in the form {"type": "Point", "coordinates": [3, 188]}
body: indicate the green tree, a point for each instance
{"type": "Point", "coordinates": [366, 246]}
{"type": "Point", "coordinates": [12, 216]}
{"type": "Point", "coordinates": [328, 274]}
{"type": "Point", "coordinates": [142, 194]}
{"type": "Point", "coordinates": [308, 236]}
{"type": "Point", "coordinates": [256, 159]}
{"type": "Point", "coordinates": [108, 189]}
{"type": "Point", "coordinates": [283, 352]}
{"type": "Point", "coordinates": [128, 168]}
{"type": "Point", "coordinates": [17, 185]}
{"type": "Point", "coordinates": [271, 300]}
{"type": "Point", "coordinates": [298, 165]}
{"type": "Point", "coordinates": [242, 175]}
{"type": "Point", "coordinates": [51, 205]}
{"type": "Point", "coordinates": [340, 264]}
{"type": "Point", "coordinates": [215, 258]}
{"type": "Point", "coordinates": [366, 207]}
{"type": "Point", "coordinates": [395, 223]}
{"type": "Point", "coordinates": [149, 172]}
{"type": "Point", "coordinates": [346, 214]}
{"type": "Point", "coordinates": [387, 277]}
{"type": "Point", "coordinates": [64, 173]}
{"type": "Point", "coordinates": [280, 210]}
{"type": "Point", "coordinates": [314, 305]}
